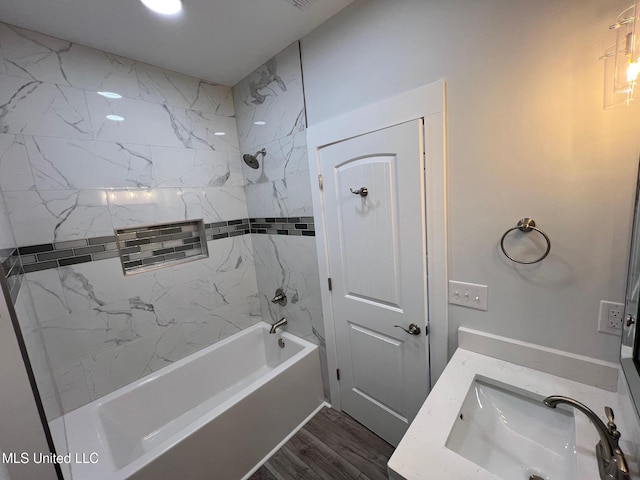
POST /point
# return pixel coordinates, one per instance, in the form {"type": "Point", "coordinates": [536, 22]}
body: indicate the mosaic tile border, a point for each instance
{"type": "Point", "coordinates": [61, 254]}
{"type": "Point", "coordinates": [155, 246]}
{"type": "Point", "coordinates": [283, 226]}
{"type": "Point", "coordinates": [53, 255]}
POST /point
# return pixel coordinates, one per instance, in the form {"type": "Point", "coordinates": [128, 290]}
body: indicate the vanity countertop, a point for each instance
{"type": "Point", "coordinates": [422, 455]}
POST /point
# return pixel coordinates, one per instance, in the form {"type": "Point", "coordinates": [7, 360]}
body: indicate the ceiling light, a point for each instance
{"type": "Point", "coordinates": [164, 7]}
{"type": "Point", "coordinates": [110, 95]}
{"type": "Point", "coordinates": [219, 134]}
{"type": "Point", "coordinates": [115, 118]}
{"type": "Point", "coordinates": [259, 122]}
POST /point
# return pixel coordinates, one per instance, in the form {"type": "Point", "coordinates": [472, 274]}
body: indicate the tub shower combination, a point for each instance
{"type": "Point", "coordinates": [218, 413]}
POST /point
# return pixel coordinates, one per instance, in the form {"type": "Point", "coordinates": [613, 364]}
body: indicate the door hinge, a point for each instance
{"type": "Point", "coordinates": [320, 182]}
{"type": "Point", "coordinates": [330, 285]}
{"type": "Point", "coordinates": [338, 373]}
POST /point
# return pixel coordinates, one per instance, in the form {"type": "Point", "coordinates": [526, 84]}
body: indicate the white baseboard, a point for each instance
{"type": "Point", "coordinates": [579, 368]}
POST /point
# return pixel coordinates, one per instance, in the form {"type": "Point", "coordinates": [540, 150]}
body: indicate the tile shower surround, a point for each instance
{"type": "Point", "coordinates": [164, 163]}
{"type": "Point", "coordinates": [69, 176]}
{"type": "Point", "coordinates": [75, 302]}
{"type": "Point", "coordinates": [281, 187]}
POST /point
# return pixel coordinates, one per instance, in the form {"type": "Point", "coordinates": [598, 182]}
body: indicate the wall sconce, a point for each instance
{"type": "Point", "coordinates": [622, 60]}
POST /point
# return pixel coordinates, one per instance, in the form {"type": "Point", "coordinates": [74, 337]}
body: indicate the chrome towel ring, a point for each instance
{"type": "Point", "coordinates": [526, 225]}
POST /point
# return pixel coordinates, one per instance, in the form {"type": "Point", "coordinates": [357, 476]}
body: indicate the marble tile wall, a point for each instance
{"type": "Point", "coordinates": [68, 173]}
{"type": "Point", "coordinates": [281, 187]}
{"type": "Point", "coordinates": [110, 330]}
{"type": "Point", "coordinates": [7, 240]}
{"type": "Point", "coordinates": [273, 94]}
{"type": "Point", "coordinates": [58, 151]}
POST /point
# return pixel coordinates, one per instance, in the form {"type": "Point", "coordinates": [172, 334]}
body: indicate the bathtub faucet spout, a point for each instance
{"type": "Point", "coordinates": [280, 323]}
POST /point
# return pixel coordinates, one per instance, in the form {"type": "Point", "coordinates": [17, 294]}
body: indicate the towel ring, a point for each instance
{"type": "Point", "coordinates": [526, 225]}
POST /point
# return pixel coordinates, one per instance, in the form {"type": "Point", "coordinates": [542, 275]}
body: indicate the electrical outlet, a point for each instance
{"type": "Point", "coordinates": [610, 319]}
{"type": "Point", "coordinates": [468, 295]}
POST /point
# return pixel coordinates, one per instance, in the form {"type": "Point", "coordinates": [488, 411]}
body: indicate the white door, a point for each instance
{"type": "Point", "coordinates": [377, 263]}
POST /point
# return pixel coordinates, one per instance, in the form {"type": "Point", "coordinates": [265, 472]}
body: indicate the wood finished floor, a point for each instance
{"type": "Point", "coordinates": [331, 446]}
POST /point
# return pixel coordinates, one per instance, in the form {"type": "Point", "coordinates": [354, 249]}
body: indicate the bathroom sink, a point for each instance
{"type": "Point", "coordinates": [513, 435]}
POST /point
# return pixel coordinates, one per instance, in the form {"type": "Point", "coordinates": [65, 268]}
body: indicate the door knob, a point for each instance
{"type": "Point", "coordinates": [630, 320]}
{"type": "Point", "coordinates": [362, 191]}
{"type": "Point", "coordinates": [413, 329]}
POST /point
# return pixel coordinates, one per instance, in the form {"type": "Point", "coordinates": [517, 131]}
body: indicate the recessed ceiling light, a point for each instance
{"type": "Point", "coordinates": [115, 118]}
{"type": "Point", "coordinates": [260, 122]}
{"type": "Point", "coordinates": [164, 7]}
{"type": "Point", "coordinates": [219, 134]}
{"type": "Point", "coordinates": [110, 94]}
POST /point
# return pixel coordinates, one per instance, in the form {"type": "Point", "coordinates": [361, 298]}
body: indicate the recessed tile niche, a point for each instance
{"type": "Point", "coordinates": [149, 247]}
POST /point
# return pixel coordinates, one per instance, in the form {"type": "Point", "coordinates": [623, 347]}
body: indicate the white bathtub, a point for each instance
{"type": "Point", "coordinates": [213, 415]}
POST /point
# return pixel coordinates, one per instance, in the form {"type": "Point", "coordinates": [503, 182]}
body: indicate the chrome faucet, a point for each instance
{"type": "Point", "coordinates": [611, 462]}
{"type": "Point", "coordinates": [280, 323]}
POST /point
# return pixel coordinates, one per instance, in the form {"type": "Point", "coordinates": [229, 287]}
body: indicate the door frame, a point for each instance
{"type": "Point", "coordinates": [426, 102]}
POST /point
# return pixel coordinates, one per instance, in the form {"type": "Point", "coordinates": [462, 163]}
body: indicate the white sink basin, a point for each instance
{"type": "Point", "coordinates": [514, 436]}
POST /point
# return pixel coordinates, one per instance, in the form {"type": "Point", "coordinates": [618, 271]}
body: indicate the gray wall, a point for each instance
{"type": "Point", "coordinates": [527, 136]}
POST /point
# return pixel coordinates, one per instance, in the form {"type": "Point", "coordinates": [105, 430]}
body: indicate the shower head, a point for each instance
{"type": "Point", "coordinates": [251, 160]}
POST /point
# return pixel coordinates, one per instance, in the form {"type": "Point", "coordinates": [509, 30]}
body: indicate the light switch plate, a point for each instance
{"type": "Point", "coordinates": [469, 295]}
